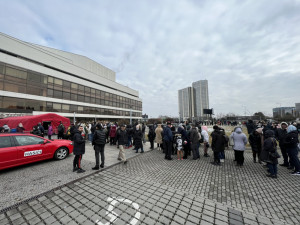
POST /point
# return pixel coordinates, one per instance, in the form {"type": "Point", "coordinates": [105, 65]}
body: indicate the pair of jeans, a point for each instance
{"type": "Point", "coordinates": [99, 149]}
{"type": "Point", "coordinates": [90, 136]}
{"type": "Point", "coordinates": [272, 168]}
{"type": "Point", "coordinates": [129, 141]}
{"type": "Point", "coordinates": [137, 149]}
{"type": "Point", "coordinates": [222, 155]}
{"type": "Point", "coordinates": [294, 160]}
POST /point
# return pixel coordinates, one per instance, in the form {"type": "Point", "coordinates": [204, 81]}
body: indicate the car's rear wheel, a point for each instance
{"type": "Point", "coordinates": [61, 153]}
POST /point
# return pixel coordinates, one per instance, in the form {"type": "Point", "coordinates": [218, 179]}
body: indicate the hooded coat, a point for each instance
{"type": "Point", "coordinates": [240, 139]}
{"type": "Point", "coordinates": [270, 146]}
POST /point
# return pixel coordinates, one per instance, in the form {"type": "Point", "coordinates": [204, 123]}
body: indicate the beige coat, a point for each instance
{"type": "Point", "coordinates": [158, 137]}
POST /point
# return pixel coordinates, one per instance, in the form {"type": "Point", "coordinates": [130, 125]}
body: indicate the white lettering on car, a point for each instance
{"type": "Point", "coordinates": [31, 153]}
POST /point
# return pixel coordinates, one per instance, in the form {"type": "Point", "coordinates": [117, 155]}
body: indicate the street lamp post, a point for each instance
{"type": "Point", "coordinates": [130, 115]}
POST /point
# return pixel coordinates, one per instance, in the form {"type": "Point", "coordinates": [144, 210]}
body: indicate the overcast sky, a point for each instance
{"type": "Point", "coordinates": [249, 51]}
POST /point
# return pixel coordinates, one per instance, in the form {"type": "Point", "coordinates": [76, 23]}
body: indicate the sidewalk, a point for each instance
{"type": "Point", "coordinates": [23, 182]}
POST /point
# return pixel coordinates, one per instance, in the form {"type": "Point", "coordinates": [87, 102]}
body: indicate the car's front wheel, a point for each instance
{"type": "Point", "coordinates": [61, 153]}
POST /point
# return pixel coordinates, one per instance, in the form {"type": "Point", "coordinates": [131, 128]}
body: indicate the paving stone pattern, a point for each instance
{"type": "Point", "coordinates": [245, 188]}
{"type": "Point", "coordinates": [166, 192]}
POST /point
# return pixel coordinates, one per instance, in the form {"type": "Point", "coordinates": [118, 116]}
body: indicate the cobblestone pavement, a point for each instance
{"type": "Point", "coordinates": [23, 182]}
{"type": "Point", "coordinates": [150, 190]}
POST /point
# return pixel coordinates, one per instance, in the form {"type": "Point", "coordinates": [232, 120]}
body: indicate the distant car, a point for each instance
{"type": "Point", "coordinates": [18, 149]}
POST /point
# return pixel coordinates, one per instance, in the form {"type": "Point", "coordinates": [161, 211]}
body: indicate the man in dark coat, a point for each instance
{"type": "Point", "coordinates": [151, 136]}
{"type": "Point", "coordinates": [280, 136]}
{"type": "Point", "coordinates": [41, 129]}
{"type": "Point", "coordinates": [194, 139]}
{"type": "Point", "coordinates": [217, 144]}
{"type": "Point", "coordinates": [99, 140]}
{"type": "Point", "coordinates": [61, 130]}
{"type": "Point", "coordinates": [168, 141]}
{"type": "Point", "coordinates": [255, 143]}
{"type": "Point", "coordinates": [122, 139]}
{"type": "Point", "coordinates": [79, 150]}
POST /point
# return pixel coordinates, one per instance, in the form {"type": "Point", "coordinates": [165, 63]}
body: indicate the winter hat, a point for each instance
{"type": "Point", "coordinates": [291, 128]}
{"type": "Point", "coordinates": [284, 123]}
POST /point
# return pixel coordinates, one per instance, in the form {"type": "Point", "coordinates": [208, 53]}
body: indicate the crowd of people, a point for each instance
{"type": "Point", "coordinates": [186, 139]}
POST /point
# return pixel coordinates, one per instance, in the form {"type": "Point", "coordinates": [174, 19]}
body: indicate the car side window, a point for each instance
{"type": "Point", "coordinates": [29, 140]}
{"type": "Point", "coordinates": [5, 142]}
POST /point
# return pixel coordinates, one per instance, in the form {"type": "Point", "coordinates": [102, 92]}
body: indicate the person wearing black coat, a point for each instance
{"type": "Point", "coordinates": [255, 143]}
{"type": "Point", "coordinates": [151, 136]}
{"type": "Point", "coordinates": [269, 147]}
{"type": "Point", "coordinates": [78, 150]}
{"type": "Point", "coordinates": [291, 143]}
{"type": "Point", "coordinates": [194, 139]}
{"type": "Point", "coordinates": [122, 139]}
{"type": "Point", "coordinates": [217, 144]}
{"type": "Point", "coordinates": [137, 138]}
{"type": "Point", "coordinates": [99, 141]}
{"type": "Point", "coordinates": [280, 136]}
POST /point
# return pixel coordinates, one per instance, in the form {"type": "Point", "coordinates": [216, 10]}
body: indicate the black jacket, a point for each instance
{"type": "Point", "coordinates": [99, 137]}
{"type": "Point", "coordinates": [137, 137]}
{"type": "Point", "coordinates": [151, 134]}
{"type": "Point", "coordinates": [218, 141]}
{"type": "Point", "coordinates": [79, 144]}
{"type": "Point", "coordinates": [270, 145]}
{"type": "Point", "coordinates": [281, 133]}
{"type": "Point", "coordinates": [291, 140]}
{"type": "Point", "coordinates": [255, 141]}
{"type": "Point", "coordinates": [122, 137]}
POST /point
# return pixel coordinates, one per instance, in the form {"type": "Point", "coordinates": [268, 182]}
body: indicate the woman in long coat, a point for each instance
{"type": "Point", "coordinates": [138, 137]}
{"type": "Point", "coordinates": [158, 136]}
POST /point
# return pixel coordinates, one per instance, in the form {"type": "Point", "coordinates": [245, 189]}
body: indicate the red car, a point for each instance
{"type": "Point", "coordinates": [18, 149]}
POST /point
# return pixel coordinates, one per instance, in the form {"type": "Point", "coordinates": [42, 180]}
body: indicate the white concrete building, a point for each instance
{"type": "Point", "coordinates": [35, 79]}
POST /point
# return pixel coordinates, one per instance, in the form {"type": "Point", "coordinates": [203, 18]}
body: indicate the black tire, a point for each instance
{"type": "Point", "coordinates": [61, 153]}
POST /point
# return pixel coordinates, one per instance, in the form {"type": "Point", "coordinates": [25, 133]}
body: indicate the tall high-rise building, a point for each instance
{"type": "Point", "coordinates": [192, 101]}
{"type": "Point", "coordinates": [200, 90]}
{"type": "Point", "coordinates": [185, 102]}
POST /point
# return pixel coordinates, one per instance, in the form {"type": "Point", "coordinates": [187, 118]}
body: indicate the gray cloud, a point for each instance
{"type": "Point", "coordinates": [247, 50]}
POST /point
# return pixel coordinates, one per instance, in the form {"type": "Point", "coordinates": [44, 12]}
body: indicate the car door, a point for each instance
{"type": "Point", "coordinates": [31, 148]}
{"type": "Point", "coordinates": [8, 152]}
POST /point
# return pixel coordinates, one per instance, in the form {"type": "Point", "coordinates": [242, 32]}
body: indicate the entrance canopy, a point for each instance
{"type": "Point", "coordinates": [30, 121]}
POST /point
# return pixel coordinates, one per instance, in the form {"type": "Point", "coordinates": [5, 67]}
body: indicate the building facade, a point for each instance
{"type": "Point", "coordinates": [201, 101]}
{"type": "Point", "coordinates": [185, 102]}
{"type": "Point", "coordinates": [297, 110]}
{"type": "Point", "coordinates": [36, 79]}
{"type": "Point", "coordinates": [193, 100]}
{"type": "Point", "coordinates": [280, 112]}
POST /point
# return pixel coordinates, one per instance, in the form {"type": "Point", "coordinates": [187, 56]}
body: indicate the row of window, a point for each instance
{"type": "Point", "coordinates": [29, 82]}
{"type": "Point", "coordinates": [34, 105]}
